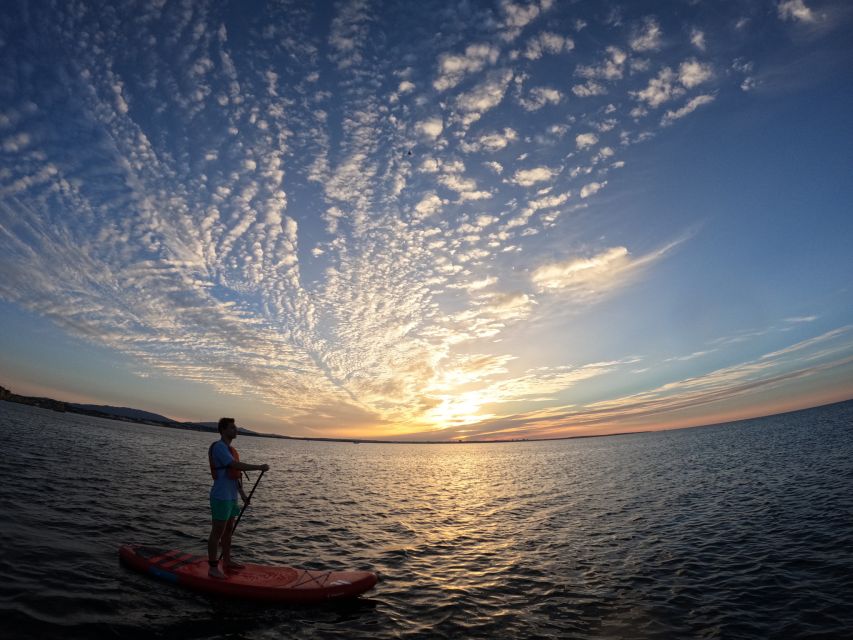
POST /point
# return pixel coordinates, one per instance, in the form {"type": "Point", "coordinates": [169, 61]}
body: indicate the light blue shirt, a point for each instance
{"type": "Point", "coordinates": [224, 488]}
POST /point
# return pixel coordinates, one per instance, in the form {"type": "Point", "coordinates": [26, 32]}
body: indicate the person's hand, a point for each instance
{"type": "Point", "coordinates": [264, 467]}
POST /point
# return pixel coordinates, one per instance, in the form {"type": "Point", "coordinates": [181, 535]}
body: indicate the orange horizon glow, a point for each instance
{"type": "Point", "coordinates": [626, 425]}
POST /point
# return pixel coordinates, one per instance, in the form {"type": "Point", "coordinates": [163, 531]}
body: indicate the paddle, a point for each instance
{"type": "Point", "coordinates": [246, 504]}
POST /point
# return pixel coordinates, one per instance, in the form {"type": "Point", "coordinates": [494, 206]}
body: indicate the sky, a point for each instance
{"type": "Point", "coordinates": [433, 220]}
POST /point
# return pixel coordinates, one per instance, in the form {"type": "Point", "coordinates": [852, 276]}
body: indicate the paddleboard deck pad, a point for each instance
{"type": "Point", "coordinates": [254, 581]}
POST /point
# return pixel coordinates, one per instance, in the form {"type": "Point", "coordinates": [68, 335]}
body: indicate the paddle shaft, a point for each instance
{"type": "Point", "coordinates": [243, 510]}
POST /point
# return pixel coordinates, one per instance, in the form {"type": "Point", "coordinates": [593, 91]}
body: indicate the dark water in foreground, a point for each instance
{"type": "Point", "coordinates": [738, 531]}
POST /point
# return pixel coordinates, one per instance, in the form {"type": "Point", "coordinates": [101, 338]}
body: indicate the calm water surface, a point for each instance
{"type": "Point", "coordinates": [736, 531]}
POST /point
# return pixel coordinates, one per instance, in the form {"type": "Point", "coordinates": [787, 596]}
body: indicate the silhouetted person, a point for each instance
{"type": "Point", "coordinates": [227, 470]}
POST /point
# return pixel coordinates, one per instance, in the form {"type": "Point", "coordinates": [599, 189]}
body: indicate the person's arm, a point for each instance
{"type": "Point", "coordinates": [245, 466]}
{"type": "Point", "coordinates": [242, 466]}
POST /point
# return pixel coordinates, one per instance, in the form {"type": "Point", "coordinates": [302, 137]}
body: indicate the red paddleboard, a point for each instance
{"type": "Point", "coordinates": [254, 582]}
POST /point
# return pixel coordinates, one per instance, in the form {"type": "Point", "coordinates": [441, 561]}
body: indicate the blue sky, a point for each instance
{"type": "Point", "coordinates": [435, 219]}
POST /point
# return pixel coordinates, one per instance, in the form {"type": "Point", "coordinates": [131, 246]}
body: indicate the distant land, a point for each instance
{"type": "Point", "coordinates": [127, 414]}
{"type": "Point", "coordinates": [124, 414]}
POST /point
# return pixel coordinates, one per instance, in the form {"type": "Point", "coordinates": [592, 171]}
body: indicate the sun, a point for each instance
{"type": "Point", "coordinates": [458, 409]}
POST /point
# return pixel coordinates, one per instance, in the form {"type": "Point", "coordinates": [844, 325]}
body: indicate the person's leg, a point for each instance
{"type": "Point", "coordinates": [217, 532]}
{"type": "Point", "coordinates": [226, 542]}
{"type": "Point", "coordinates": [227, 562]}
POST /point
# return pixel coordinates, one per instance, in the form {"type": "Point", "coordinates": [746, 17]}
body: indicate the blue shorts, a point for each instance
{"type": "Point", "coordinates": [224, 509]}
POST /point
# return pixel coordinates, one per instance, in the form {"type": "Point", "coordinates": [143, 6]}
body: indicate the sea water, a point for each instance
{"type": "Point", "coordinates": [742, 530]}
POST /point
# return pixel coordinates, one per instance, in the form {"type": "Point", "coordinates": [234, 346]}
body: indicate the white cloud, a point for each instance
{"type": "Point", "coordinates": [430, 128]}
{"type": "Point", "coordinates": [498, 140]}
{"type": "Point", "coordinates": [660, 89]}
{"type": "Point", "coordinates": [587, 279]}
{"type": "Point", "coordinates": [466, 188]}
{"type": "Point", "coordinates": [687, 109]}
{"type": "Point", "coordinates": [516, 17]}
{"type": "Point", "coordinates": [429, 205]}
{"type": "Point", "coordinates": [585, 140]}
{"type": "Point", "coordinates": [603, 154]}
{"type": "Point", "coordinates": [120, 100]}
{"type": "Point", "coordinates": [16, 142]}
{"type": "Point", "coordinates": [479, 285]}
{"type": "Point", "coordinates": [457, 183]}
{"type": "Point", "coordinates": [691, 356]}
{"type": "Point", "coordinates": [558, 130]}
{"type": "Point", "coordinates": [611, 68]}
{"type": "Point", "coordinates": [538, 204]}
{"type": "Point", "coordinates": [465, 196]}
{"type": "Point", "coordinates": [607, 125]}
{"type": "Point", "coordinates": [453, 68]}
{"type": "Point", "coordinates": [648, 37]}
{"type": "Point", "coordinates": [406, 86]}
{"type": "Point", "coordinates": [692, 73]}
{"type": "Point", "coordinates": [808, 343]}
{"type": "Point", "coordinates": [539, 97]}
{"type": "Point", "coordinates": [740, 380]}
{"type": "Point", "coordinates": [589, 88]}
{"type": "Point", "coordinates": [549, 201]}
{"type": "Point", "coordinates": [486, 95]}
{"type": "Point", "coordinates": [429, 165]}
{"type": "Point", "coordinates": [485, 220]}
{"type": "Point", "coordinates": [538, 384]}
{"type": "Point", "coordinates": [592, 188]}
{"type": "Point", "coordinates": [795, 10]}
{"type": "Point", "coordinates": [697, 39]}
{"type": "Point", "coordinates": [509, 306]}
{"type": "Point", "coordinates": [639, 65]}
{"type": "Point", "coordinates": [529, 177]}
{"type": "Point", "coordinates": [745, 67]}
{"type": "Point", "coordinates": [547, 42]}
{"type": "Point", "coordinates": [348, 33]}
{"type": "Point", "coordinates": [453, 166]}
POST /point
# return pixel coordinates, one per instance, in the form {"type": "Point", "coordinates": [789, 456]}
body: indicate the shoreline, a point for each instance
{"type": "Point", "coordinates": [60, 406]}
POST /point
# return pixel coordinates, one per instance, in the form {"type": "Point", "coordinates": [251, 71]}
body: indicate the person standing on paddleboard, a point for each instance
{"type": "Point", "coordinates": [226, 469]}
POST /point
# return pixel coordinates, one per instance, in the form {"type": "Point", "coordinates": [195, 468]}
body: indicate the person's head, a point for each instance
{"type": "Point", "coordinates": [227, 428]}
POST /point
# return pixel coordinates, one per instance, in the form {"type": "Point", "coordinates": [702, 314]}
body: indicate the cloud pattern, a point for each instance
{"type": "Point", "coordinates": [322, 218]}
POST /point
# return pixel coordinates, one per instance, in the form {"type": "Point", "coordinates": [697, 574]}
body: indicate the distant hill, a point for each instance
{"type": "Point", "coordinates": [124, 412]}
{"type": "Point", "coordinates": [139, 414]}
{"type": "Point", "coordinates": [215, 427]}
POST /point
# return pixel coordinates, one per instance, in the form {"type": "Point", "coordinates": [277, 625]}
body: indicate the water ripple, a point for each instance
{"type": "Point", "coordinates": [741, 531]}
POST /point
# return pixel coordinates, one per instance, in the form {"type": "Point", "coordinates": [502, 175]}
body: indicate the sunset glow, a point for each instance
{"type": "Point", "coordinates": [430, 221]}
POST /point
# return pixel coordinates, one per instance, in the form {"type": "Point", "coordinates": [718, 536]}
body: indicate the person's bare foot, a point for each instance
{"type": "Point", "coordinates": [216, 572]}
{"type": "Point", "coordinates": [233, 566]}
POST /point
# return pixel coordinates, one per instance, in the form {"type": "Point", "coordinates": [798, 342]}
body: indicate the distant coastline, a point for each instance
{"type": "Point", "coordinates": [138, 416]}
{"type": "Point", "coordinates": [126, 414]}
{"type": "Point", "coordinates": [123, 414]}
